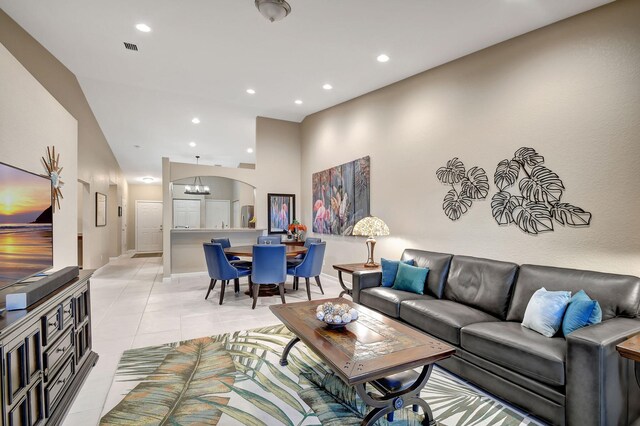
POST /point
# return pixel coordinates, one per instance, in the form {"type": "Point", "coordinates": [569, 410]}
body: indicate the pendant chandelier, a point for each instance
{"type": "Point", "coordinates": [197, 188]}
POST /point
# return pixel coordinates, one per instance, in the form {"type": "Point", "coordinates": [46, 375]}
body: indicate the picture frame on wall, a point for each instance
{"type": "Point", "coordinates": [281, 211]}
{"type": "Point", "coordinates": [101, 209]}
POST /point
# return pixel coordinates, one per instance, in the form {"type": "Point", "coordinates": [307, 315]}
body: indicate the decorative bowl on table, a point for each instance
{"type": "Point", "coordinates": [336, 315]}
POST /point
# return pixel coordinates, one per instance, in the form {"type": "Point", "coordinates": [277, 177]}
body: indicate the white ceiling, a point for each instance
{"type": "Point", "coordinates": [202, 55]}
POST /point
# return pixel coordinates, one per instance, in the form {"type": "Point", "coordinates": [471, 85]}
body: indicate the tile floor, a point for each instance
{"type": "Point", "coordinates": [133, 307]}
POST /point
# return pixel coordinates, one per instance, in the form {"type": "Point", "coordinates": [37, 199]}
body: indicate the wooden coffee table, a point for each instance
{"type": "Point", "coordinates": [368, 350]}
{"type": "Point", "coordinates": [630, 349]}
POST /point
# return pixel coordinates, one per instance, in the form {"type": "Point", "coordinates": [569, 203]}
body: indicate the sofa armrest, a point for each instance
{"type": "Point", "coordinates": [362, 280]}
{"type": "Point", "coordinates": [597, 376]}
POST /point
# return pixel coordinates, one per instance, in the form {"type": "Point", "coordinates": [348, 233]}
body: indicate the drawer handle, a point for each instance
{"type": "Point", "coordinates": [53, 324]}
{"type": "Point", "coordinates": [46, 371]}
{"type": "Point", "coordinates": [61, 381]}
{"type": "Point", "coordinates": [67, 311]}
{"type": "Point", "coordinates": [60, 350]}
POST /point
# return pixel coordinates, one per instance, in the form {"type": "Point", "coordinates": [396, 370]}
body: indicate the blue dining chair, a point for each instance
{"type": "Point", "coordinates": [311, 266]}
{"type": "Point", "coordinates": [269, 267]}
{"type": "Point", "coordinates": [298, 259]}
{"type": "Point", "coordinates": [235, 260]}
{"type": "Point", "coordinates": [220, 269]}
{"type": "Point", "coordinates": [269, 239]}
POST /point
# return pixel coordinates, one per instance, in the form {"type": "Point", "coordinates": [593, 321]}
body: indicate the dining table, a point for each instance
{"type": "Point", "coordinates": [247, 251]}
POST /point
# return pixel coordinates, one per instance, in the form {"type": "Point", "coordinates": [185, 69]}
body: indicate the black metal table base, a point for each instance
{"type": "Point", "coordinates": [387, 402]}
{"type": "Point", "coordinates": [345, 289]}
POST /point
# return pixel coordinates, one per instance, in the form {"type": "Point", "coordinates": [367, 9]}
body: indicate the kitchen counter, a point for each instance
{"type": "Point", "coordinates": [208, 230]}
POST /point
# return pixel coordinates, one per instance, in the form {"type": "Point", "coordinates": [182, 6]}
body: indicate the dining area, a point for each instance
{"type": "Point", "coordinates": [265, 265]}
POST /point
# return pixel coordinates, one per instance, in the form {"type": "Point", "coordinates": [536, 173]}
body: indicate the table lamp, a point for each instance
{"type": "Point", "coordinates": [371, 226]}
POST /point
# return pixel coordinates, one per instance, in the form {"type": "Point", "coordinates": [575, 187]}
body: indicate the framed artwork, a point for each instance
{"type": "Point", "coordinates": [281, 212]}
{"type": "Point", "coordinates": [101, 209]}
{"type": "Point", "coordinates": [341, 197]}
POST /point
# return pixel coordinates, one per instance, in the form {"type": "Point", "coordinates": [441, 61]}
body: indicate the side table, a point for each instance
{"type": "Point", "coordinates": [350, 268]}
{"type": "Point", "coordinates": [630, 349]}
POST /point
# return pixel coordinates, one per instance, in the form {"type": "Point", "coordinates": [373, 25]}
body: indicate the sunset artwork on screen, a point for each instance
{"type": "Point", "coordinates": [26, 225]}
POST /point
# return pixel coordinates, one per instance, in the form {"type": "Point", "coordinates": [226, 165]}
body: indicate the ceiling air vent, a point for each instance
{"type": "Point", "coordinates": [131, 46]}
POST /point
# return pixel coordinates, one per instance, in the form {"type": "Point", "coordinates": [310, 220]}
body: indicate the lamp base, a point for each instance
{"type": "Point", "coordinates": [371, 244]}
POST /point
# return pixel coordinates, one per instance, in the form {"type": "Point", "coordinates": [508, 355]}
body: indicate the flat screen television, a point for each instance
{"type": "Point", "coordinates": [26, 224]}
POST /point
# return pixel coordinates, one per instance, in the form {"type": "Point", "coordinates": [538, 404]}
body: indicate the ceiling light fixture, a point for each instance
{"type": "Point", "coordinates": [195, 120]}
{"type": "Point", "coordinates": [250, 150]}
{"type": "Point", "coordinates": [383, 58]}
{"type": "Point", "coordinates": [251, 91]}
{"type": "Point", "coordinates": [298, 102]}
{"type": "Point", "coordinates": [327, 86]}
{"type": "Point", "coordinates": [143, 27]}
{"type": "Point", "coordinates": [273, 10]}
{"type": "Point", "coordinates": [198, 188]}
{"type": "Point", "coordinates": [147, 179]}
{"type": "Point", "coordinates": [192, 144]}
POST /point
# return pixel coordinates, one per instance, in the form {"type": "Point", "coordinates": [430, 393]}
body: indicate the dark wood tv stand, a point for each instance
{"type": "Point", "coordinates": [46, 354]}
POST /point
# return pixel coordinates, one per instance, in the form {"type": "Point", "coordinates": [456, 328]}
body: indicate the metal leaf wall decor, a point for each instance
{"type": "Point", "coordinates": [539, 204]}
{"type": "Point", "coordinates": [465, 187]}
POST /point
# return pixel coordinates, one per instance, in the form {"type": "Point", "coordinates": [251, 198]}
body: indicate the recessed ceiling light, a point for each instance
{"type": "Point", "coordinates": [383, 58]}
{"type": "Point", "coordinates": [327, 86]}
{"type": "Point", "coordinates": [147, 179]}
{"type": "Point", "coordinates": [143, 27]}
{"type": "Point", "coordinates": [250, 150]}
{"type": "Point", "coordinates": [195, 120]}
{"type": "Point", "coordinates": [298, 101]}
{"type": "Point", "coordinates": [251, 91]}
{"type": "Point", "coordinates": [192, 144]}
{"type": "Point", "coordinates": [137, 146]}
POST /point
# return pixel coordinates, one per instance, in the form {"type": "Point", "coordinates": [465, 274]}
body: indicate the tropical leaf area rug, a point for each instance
{"type": "Point", "coordinates": [236, 379]}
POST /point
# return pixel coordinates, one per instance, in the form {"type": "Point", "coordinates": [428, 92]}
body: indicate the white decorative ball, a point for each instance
{"type": "Point", "coordinates": [320, 315]}
{"type": "Point", "coordinates": [354, 314]}
{"type": "Point", "coordinates": [320, 308]}
{"type": "Point", "coordinates": [337, 319]}
{"type": "Point", "coordinates": [346, 318]}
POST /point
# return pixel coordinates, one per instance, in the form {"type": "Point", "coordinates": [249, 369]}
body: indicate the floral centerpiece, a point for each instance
{"type": "Point", "coordinates": [297, 230]}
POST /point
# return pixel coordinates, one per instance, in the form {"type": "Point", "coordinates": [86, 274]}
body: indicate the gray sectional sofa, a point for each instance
{"type": "Point", "coordinates": [477, 306]}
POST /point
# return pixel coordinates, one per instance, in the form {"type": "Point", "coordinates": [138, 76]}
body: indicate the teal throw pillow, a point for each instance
{"type": "Point", "coordinates": [410, 278]}
{"type": "Point", "coordinates": [545, 311]}
{"type": "Point", "coordinates": [390, 270]}
{"type": "Point", "coordinates": [581, 312]}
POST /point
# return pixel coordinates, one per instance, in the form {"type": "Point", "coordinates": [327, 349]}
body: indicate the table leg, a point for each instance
{"type": "Point", "coordinates": [285, 353]}
{"type": "Point", "coordinates": [386, 403]}
{"type": "Point", "coordinates": [637, 368]}
{"type": "Point", "coordinates": [345, 289]}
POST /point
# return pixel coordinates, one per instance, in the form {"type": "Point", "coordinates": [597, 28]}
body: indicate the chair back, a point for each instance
{"type": "Point", "coordinates": [311, 240]}
{"type": "Point", "coordinates": [218, 265]}
{"type": "Point", "coordinates": [224, 242]}
{"type": "Point", "coordinates": [269, 239]}
{"type": "Point", "coordinates": [269, 264]}
{"type": "Point", "coordinates": [311, 266]}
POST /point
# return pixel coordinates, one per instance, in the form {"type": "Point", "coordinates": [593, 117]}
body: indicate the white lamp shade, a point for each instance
{"type": "Point", "coordinates": [371, 226]}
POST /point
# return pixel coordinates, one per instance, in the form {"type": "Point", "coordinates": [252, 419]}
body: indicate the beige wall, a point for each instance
{"type": "Point", "coordinates": [142, 192]}
{"type": "Point", "coordinates": [96, 164]}
{"type": "Point", "coordinates": [30, 120]}
{"type": "Point", "coordinates": [570, 90]}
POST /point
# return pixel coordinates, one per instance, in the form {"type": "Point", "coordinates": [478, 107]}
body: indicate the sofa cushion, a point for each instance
{"type": "Point", "coordinates": [441, 318]}
{"type": "Point", "coordinates": [618, 295]}
{"type": "Point", "coordinates": [484, 284]}
{"type": "Point", "coordinates": [517, 348]}
{"type": "Point", "coordinates": [390, 270]}
{"type": "Point", "coordinates": [438, 264]}
{"type": "Point", "coordinates": [411, 278]}
{"type": "Point", "coordinates": [387, 300]}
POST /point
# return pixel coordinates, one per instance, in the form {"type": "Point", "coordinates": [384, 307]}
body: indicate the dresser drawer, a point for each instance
{"type": "Point", "coordinates": [51, 325]}
{"type": "Point", "coordinates": [55, 388]}
{"type": "Point", "coordinates": [67, 312]}
{"type": "Point", "coordinates": [57, 352]}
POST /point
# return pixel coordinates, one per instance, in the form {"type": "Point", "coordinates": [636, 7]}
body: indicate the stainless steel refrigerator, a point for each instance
{"type": "Point", "coordinates": [246, 213]}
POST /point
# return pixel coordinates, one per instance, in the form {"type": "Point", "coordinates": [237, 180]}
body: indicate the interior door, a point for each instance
{"type": "Point", "coordinates": [237, 221]}
{"type": "Point", "coordinates": [149, 226]}
{"type": "Point", "coordinates": [217, 214]}
{"type": "Point", "coordinates": [186, 213]}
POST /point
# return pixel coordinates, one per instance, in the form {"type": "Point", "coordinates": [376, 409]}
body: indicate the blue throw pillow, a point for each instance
{"type": "Point", "coordinates": [390, 270]}
{"type": "Point", "coordinates": [545, 311]}
{"type": "Point", "coordinates": [581, 312]}
{"type": "Point", "coordinates": [410, 278]}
